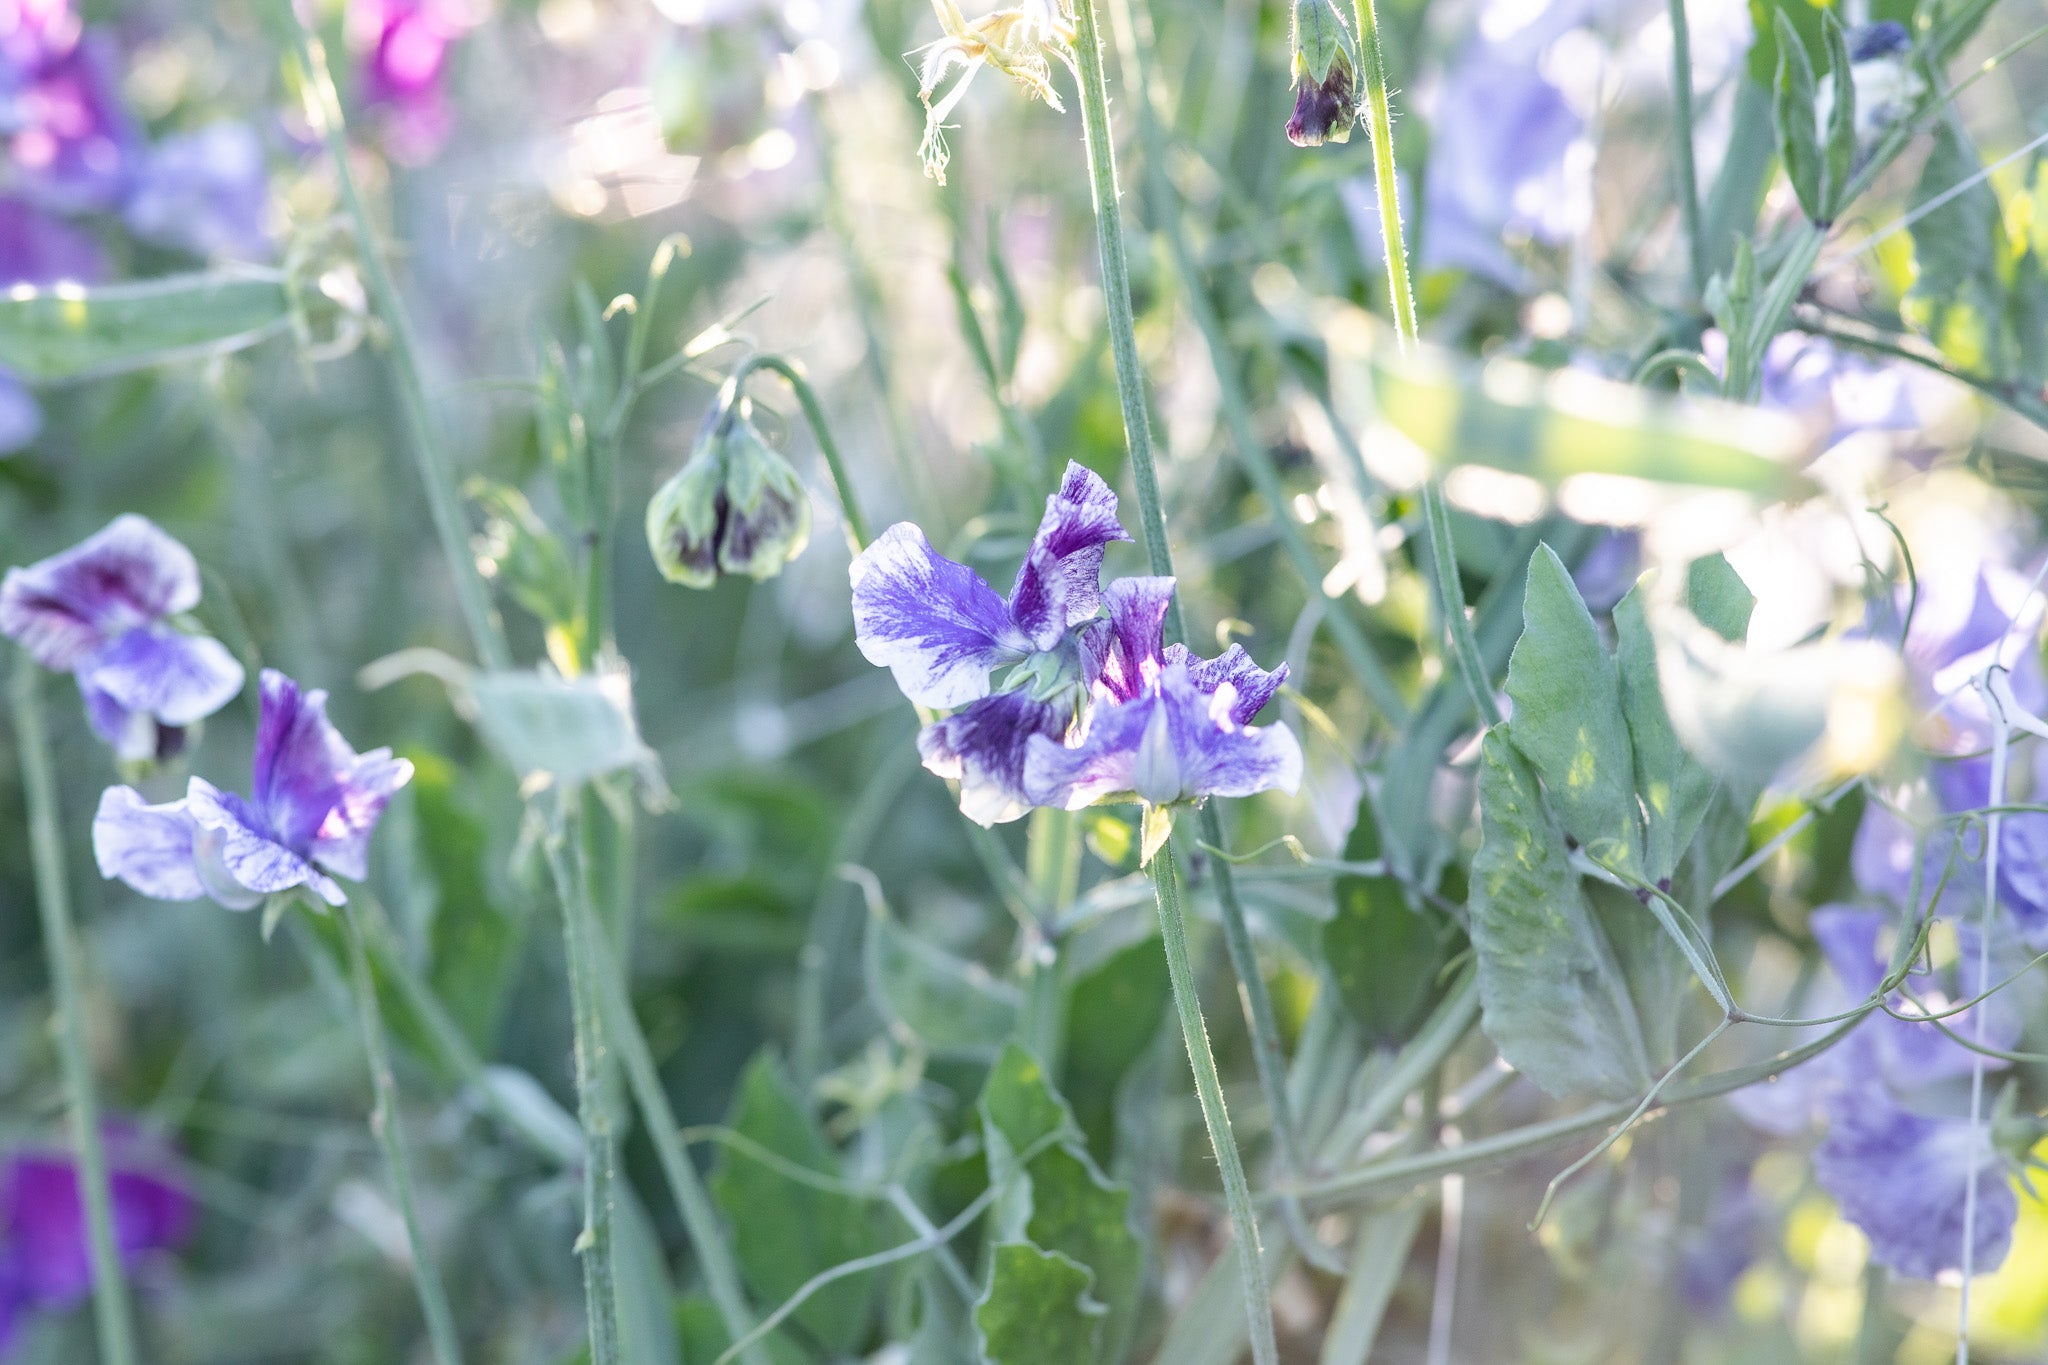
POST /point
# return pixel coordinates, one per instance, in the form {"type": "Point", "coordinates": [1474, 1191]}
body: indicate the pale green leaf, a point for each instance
{"type": "Point", "coordinates": [69, 331]}
{"type": "Point", "coordinates": [955, 1007]}
{"type": "Point", "coordinates": [1792, 108]}
{"type": "Point", "coordinates": [1037, 1309]}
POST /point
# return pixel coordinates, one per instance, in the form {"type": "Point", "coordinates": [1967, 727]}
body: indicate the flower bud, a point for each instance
{"type": "Point", "coordinates": [736, 507]}
{"type": "Point", "coordinates": [1325, 97]}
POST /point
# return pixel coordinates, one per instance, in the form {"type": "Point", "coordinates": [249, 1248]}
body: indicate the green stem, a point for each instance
{"type": "Point", "coordinates": [1688, 176]}
{"type": "Point", "coordinates": [437, 471]}
{"type": "Point", "coordinates": [1116, 297]}
{"type": "Point", "coordinates": [857, 534]}
{"type": "Point", "coordinates": [1244, 1222]}
{"type": "Point", "coordinates": [600, 1147]}
{"type": "Point", "coordinates": [1379, 117]}
{"type": "Point", "coordinates": [111, 1311]}
{"type": "Point", "coordinates": [1451, 600]}
{"type": "Point", "coordinates": [384, 1125]}
{"type": "Point", "coordinates": [700, 1220]}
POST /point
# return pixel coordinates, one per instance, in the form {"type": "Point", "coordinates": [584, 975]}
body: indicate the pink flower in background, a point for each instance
{"type": "Point", "coordinates": [402, 62]}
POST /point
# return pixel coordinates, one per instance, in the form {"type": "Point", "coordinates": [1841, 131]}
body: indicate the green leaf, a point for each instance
{"type": "Point", "coordinates": [568, 730]}
{"type": "Point", "coordinates": [1551, 994]}
{"type": "Point", "coordinates": [784, 1231]}
{"type": "Point", "coordinates": [1568, 719]}
{"type": "Point", "coordinates": [1058, 1199]}
{"type": "Point", "coordinates": [647, 1324]}
{"type": "Point", "coordinates": [69, 331]}
{"type": "Point", "coordinates": [1113, 1013]}
{"type": "Point", "coordinates": [1838, 139]}
{"type": "Point", "coordinates": [1385, 957]}
{"type": "Point", "coordinates": [1718, 598]}
{"type": "Point", "coordinates": [701, 1331]}
{"type": "Point", "coordinates": [954, 1006]}
{"type": "Point", "coordinates": [528, 561]}
{"type": "Point", "coordinates": [474, 943]}
{"type": "Point", "coordinates": [1037, 1309]}
{"type": "Point", "coordinates": [1792, 109]}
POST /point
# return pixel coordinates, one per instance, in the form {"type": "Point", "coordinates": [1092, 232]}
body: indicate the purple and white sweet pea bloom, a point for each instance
{"type": "Point", "coordinates": [945, 633]}
{"type": "Point", "coordinates": [314, 804]}
{"type": "Point", "coordinates": [103, 611]}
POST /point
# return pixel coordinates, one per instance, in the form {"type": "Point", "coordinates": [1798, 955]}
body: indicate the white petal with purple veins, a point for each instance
{"type": "Point", "coordinates": [342, 842]}
{"type": "Point", "coordinates": [249, 853]}
{"type": "Point", "coordinates": [63, 608]}
{"type": "Point", "coordinates": [1254, 685]}
{"type": "Point", "coordinates": [1060, 582]}
{"type": "Point", "coordinates": [179, 679]}
{"type": "Point", "coordinates": [148, 847]}
{"type": "Point", "coordinates": [932, 622]}
{"type": "Point", "coordinates": [985, 747]}
{"type": "Point", "coordinates": [301, 761]}
{"type": "Point", "coordinates": [1137, 619]}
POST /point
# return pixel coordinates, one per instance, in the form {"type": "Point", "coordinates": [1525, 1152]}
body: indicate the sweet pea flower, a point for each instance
{"type": "Point", "coordinates": [944, 632]}
{"type": "Point", "coordinates": [71, 141]}
{"type": "Point", "coordinates": [45, 1264]}
{"type": "Point", "coordinates": [316, 802]}
{"type": "Point", "coordinates": [204, 192]}
{"type": "Point", "coordinates": [1169, 729]}
{"type": "Point", "coordinates": [104, 611]}
{"type": "Point", "coordinates": [403, 68]}
{"type": "Point", "coordinates": [1897, 1159]}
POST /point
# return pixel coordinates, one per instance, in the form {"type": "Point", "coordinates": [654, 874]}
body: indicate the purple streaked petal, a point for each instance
{"type": "Point", "coordinates": [1060, 582]}
{"type": "Point", "coordinates": [42, 1210]}
{"type": "Point", "coordinates": [63, 608]}
{"type": "Point", "coordinates": [1254, 685]}
{"type": "Point", "coordinates": [301, 761]}
{"type": "Point", "coordinates": [342, 842]}
{"type": "Point", "coordinates": [986, 746]}
{"type": "Point", "coordinates": [133, 736]}
{"type": "Point", "coordinates": [1904, 1177]}
{"type": "Point", "coordinates": [1137, 619]}
{"type": "Point", "coordinates": [1102, 765]}
{"type": "Point", "coordinates": [148, 847]}
{"type": "Point", "coordinates": [177, 678]}
{"type": "Point", "coordinates": [242, 844]}
{"type": "Point", "coordinates": [932, 622]}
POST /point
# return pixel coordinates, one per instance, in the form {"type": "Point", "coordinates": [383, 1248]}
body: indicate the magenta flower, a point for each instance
{"type": "Point", "coordinates": [45, 1265]}
{"type": "Point", "coordinates": [315, 804]}
{"type": "Point", "coordinates": [403, 69]}
{"type": "Point", "coordinates": [104, 611]}
{"type": "Point", "coordinates": [71, 142]}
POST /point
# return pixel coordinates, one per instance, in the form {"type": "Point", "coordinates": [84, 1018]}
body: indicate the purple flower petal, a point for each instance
{"type": "Point", "coordinates": [343, 840]}
{"type": "Point", "coordinates": [1175, 744]}
{"type": "Point", "coordinates": [234, 836]}
{"type": "Point", "coordinates": [932, 622]}
{"type": "Point", "coordinates": [301, 762]}
{"type": "Point", "coordinates": [1060, 582]}
{"type": "Point", "coordinates": [985, 746]}
{"type": "Point", "coordinates": [177, 678]}
{"type": "Point", "coordinates": [43, 1213]}
{"type": "Point", "coordinates": [1254, 686]}
{"type": "Point", "coordinates": [72, 142]}
{"type": "Point", "coordinates": [64, 608]}
{"type": "Point", "coordinates": [1906, 1053]}
{"type": "Point", "coordinates": [37, 247]}
{"type": "Point", "coordinates": [1137, 620]}
{"type": "Point", "coordinates": [204, 192]}
{"type": "Point", "coordinates": [1903, 1178]}
{"type": "Point", "coordinates": [148, 847]}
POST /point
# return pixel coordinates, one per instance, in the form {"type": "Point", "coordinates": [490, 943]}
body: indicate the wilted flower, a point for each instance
{"type": "Point", "coordinates": [316, 802]}
{"type": "Point", "coordinates": [104, 611]}
{"type": "Point", "coordinates": [1325, 72]}
{"type": "Point", "coordinates": [204, 192]}
{"type": "Point", "coordinates": [1168, 729]}
{"type": "Point", "coordinates": [735, 507]}
{"type": "Point", "coordinates": [1019, 41]}
{"type": "Point", "coordinates": [1881, 72]}
{"type": "Point", "coordinates": [1896, 1160]}
{"type": "Point", "coordinates": [45, 1265]}
{"type": "Point", "coordinates": [944, 632]}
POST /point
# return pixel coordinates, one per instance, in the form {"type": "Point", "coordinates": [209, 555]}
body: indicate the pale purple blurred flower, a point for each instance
{"type": "Point", "coordinates": [45, 1265]}
{"type": "Point", "coordinates": [103, 611]}
{"type": "Point", "coordinates": [204, 192]}
{"type": "Point", "coordinates": [316, 803]}
{"type": "Point", "coordinates": [71, 141]}
{"type": "Point", "coordinates": [1838, 391]}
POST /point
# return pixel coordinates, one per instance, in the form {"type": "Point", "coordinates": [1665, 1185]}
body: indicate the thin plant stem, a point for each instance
{"type": "Point", "coordinates": [384, 1125]}
{"type": "Point", "coordinates": [1682, 134]}
{"type": "Point", "coordinates": [437, 471]}
{"type": "Point", "coordinates": [857, 533]}
{"type": "Point", "coordinates": [1451, 600]}
{"type": "Point", "coordinates": [1244, 1221]}
{"type": "Point", "coordinates": [112, 1313]}
{"type": "Point", "coordinates": [1380, 128]}
{"type": "Point", "coordinates": [600, 1155]}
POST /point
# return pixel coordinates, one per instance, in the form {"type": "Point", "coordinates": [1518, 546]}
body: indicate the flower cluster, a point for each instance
{"type": "Point", "coordinates": [106, 611]}
{"type": "Point", "coordinates": [1089, 708]}
{"type": "Point", "coordinates": [44, 1264]}
{"type": "Point", "coordinates": [315, 803]}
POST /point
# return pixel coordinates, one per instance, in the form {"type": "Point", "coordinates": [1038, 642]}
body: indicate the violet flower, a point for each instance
{"type": "Point", "coordinates": [45, 1263]}
{"type": "Point", "coordinates": [1896, 1157]}
{"type": "Point", "coordinates": [104, 610]}
{"type": "Point", "coordinates": [1168, 729]}
{"type": "Point", "coordinates": [316, 802]}
{"type": "Point", "coordinates": [35, 248]}
{"type": "Point", "coordinates": [71, 141]}
{"type": "Point", "coordinates": [204, 192]}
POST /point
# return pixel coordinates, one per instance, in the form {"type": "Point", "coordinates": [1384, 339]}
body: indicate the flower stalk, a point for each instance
{"type": "Point", "coordinates": [112, 1313]}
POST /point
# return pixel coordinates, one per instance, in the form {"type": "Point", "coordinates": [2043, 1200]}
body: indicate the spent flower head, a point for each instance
{"type": "Point", "coordinates": [1021, 41]}
{"type": "Point", "coordinates": [1325, 75]}
{"type": "Point", "coordinates": [735, 507]}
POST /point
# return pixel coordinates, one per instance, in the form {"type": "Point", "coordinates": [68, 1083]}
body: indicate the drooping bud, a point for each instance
{"type": "Point", "coordinates": [1325, 67]}
{"type": "Point", "coordinates": [735, 507]}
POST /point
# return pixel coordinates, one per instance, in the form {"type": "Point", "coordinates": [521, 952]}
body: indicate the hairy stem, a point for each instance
{"type": "Point", "coordinates": [1379, 117]}
{"type": "Point", "coordinates": [426, 1279]}
{"type": "Point", "coordinates": [112, 1314]}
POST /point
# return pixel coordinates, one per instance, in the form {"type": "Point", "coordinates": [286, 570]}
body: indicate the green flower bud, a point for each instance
{"type": "Point", "coordinates": [735, 507]}
{"type": "Point", "coordinates": [1325, 91]}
